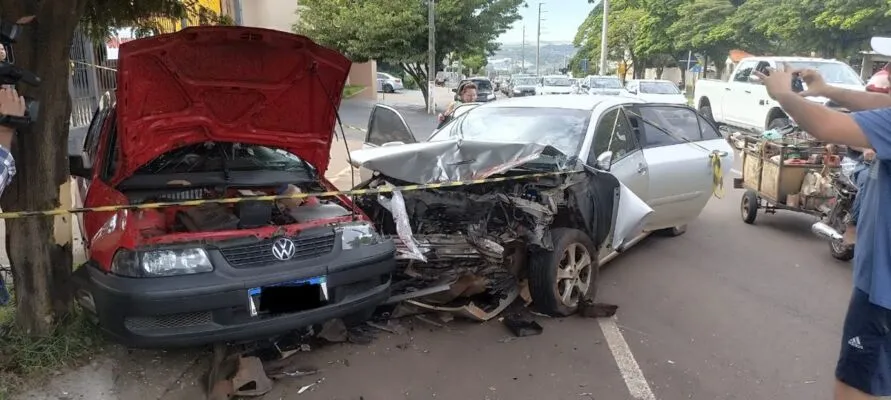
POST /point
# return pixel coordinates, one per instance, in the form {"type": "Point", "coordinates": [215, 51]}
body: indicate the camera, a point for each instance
{"type": "Point", "coordinates": [12, 75]}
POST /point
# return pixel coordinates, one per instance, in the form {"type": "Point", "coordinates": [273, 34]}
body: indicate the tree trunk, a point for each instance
{"type": "Point", "coordinates": [418, 72]}
{"type": "Point", "coordinates": [41, 267]}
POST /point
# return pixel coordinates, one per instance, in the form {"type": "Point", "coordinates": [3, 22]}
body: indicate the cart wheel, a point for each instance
{"type": "Point", "coordinates": [838, 219]}
{"type": "Point", "coordinates": [748, 207]}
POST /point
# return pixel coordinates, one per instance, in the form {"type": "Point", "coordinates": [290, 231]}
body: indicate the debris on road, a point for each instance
{"type": "Point", "coordinates": [311, 386]}
{"type": "Point", "coordinates": [522, 326]}
{"type": "Point", "coordinates": [590, 309]}
{"type": "Point", "coordinates": [250, 379]}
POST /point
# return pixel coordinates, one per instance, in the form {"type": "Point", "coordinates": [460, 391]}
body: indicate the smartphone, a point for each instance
{"type": "Point", "coordinates": [797, 82]}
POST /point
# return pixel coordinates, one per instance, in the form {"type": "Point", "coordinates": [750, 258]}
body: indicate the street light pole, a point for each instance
{"type": "Point", "coordinates": [523, 52]}
{"type": "Point", "coordinates": [538, 44]}
{"type": "Point", "coordinates": [431, 57]}
{"type": "Point", "coordinates": [603, 43]}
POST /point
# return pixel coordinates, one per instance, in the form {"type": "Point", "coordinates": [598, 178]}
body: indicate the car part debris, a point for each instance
{"type": "Point", "coordinates": [250, 379]}
{"type": "Point", "coordinates": [306, 388]}
{"type": "Point", "coordinates": [471, 310]}
{"type": "Point", "coordinates": [589, 309]}
{"type": "Point", "coordinates": [334, 331]}
{"type": "Point", "coordinates": [522, 327]}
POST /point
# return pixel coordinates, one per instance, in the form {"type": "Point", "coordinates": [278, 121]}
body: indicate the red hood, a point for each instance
{"type": "Point", "coordinates": [224, 83]}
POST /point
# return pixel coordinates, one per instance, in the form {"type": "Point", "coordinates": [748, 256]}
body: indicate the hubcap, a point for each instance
{"type": "Point", "coordinates": [840, 226]}
{"type": "Point", "coordinates": [574, 274]}
{"type": "Point", "coordinates": [745, 207]}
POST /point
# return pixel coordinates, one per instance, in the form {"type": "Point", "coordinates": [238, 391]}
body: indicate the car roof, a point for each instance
{"type": "Point", "coordinates": [567, 101]}
{"type": "Point", "coordinates": [477, 78]}
{"type": "Point", "coordinates": [651, 80]}
{"type": "Point", "coordinates": [790, 59]}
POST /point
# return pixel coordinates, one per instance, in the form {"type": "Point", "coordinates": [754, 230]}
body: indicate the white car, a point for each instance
{"type": "Point", "coordinates": [655, 91]}
{"type": "Point", "coordinates": [554, 84]}
{"type": "Point", "coordinates": [388, 83]}
{"type": "Point", "coordinates": [660, 153]}
{"type": "Point", "coordinates": [603, 85]}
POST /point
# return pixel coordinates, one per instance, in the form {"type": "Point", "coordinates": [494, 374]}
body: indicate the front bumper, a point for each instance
{"type": "Point", "coordinates": [192, 310]}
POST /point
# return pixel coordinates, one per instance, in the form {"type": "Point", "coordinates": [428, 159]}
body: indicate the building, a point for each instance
{"type": "Point", "coordinates": [282, 15]}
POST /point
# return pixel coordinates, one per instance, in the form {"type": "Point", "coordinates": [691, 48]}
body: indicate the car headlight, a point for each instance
{"type": "Point", "coordinates": [157, 263]}
{"type": "Point", "coordinates": [357, 235]}
{"type": "Point", "coordinates": [517, 91]}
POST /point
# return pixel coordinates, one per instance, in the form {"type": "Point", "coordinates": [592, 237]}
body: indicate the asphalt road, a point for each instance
{"type": "Point", "coordinates": [726, 311]}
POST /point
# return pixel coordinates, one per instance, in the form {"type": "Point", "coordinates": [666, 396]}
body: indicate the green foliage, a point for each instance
{"type": "Point", "coordinates": [662, 30]}
{"type": "Point", "coordinates": [396, 31]}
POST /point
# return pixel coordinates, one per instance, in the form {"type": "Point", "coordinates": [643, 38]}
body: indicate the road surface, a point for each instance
{"type": "Point", "coordinates": [726, 311]}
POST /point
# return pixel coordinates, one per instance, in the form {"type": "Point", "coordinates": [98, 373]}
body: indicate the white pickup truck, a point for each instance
{"type": "Point", "coordinates": [742, 100]}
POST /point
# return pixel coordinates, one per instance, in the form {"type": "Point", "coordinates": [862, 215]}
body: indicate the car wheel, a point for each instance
{"type": "Point", "coordinates": [778, 123]}
{"type": "Point", "coordinates": [706, 112]}
{"type": "Point", "coordinates": [560, 279]}
{"type": "Point", "coordinates": [673, 231]}
{"type": "Point", "coordinates": [748, 206]}
{"type": "Point", "coordinates": [388, 88]}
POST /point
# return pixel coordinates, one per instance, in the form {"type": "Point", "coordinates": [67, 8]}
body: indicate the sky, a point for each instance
{"type": "Point", "coordinates": [561, 21]}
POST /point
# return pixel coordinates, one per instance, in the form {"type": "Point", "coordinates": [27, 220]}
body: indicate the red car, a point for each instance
{"type": "Point", "coordinates": [210, 113]}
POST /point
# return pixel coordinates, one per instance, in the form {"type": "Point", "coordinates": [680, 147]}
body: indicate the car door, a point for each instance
{"type": "Point", "coordinates": [386, 127]}
{"type": "Point", "coordinates": [613, 133]}
{"type": "Point", "coordinates": [739, 99]}
{"type": "Point", "coordinates": [677, 144]}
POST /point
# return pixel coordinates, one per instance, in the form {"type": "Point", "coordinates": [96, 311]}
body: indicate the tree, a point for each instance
{"type": "Point", "coordinates": [395, 31]}
{"type": "Point", "coordinates": [701, 27]}
{"type": "Point", "coordinates": [41, 266]}
{"type": "Point", "coordinates": [473, 63]}
{"type": "Point", "coordinates": [625, 24]}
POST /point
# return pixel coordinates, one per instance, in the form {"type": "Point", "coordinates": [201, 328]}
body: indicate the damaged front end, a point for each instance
{"type": "Point", "coordinates": [465, 249]}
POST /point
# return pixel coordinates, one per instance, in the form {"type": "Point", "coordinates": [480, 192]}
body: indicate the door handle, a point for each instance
{"type": "Point", "coordinates": [748, 91]}
{"type": "Point", "coordinates": [727, 89]}
{"type": "Point", "coordinates": [641, 168]}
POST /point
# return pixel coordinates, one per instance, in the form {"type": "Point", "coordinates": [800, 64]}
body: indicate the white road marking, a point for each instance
{"type": "Point", "coordinates": [634, 377]}
{"type": "Point", "coordinates": [735, 171]}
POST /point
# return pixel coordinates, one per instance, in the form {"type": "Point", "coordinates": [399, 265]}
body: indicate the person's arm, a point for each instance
{"type": "Point", "coordinates": [856, 100]}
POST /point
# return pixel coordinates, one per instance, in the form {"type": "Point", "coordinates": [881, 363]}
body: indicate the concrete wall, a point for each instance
{"type": "Point", "coordinates": [271, 14]}
{"type": "Point", "coordinates": [365, 74]}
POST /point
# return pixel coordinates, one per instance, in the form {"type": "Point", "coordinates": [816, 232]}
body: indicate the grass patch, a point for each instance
{"type": "Point", "coordinates": [352, 90]}
{"type": "Point", "coordinates": [24, 358]}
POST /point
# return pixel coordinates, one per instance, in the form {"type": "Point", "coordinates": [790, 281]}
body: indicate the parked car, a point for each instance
{"type": "Point", "coordinates": [603, 85]}
{"type": "Point", "coordinates": [388, 83]}
{"type": "Point", "coordinates": [530, 229]}
{"type": "Point", "coordinates": [655, 91]}
{"type": "Point", "coordinates": [523, 86]}
{"type": "Point", "coordinates": [742, 101]}
{"type": "Point", "coordinates": [485, 92]}
{"type": "Point", "coordinates": [190, 131]}
{"type": "Point", "coordinates": [554, 84]}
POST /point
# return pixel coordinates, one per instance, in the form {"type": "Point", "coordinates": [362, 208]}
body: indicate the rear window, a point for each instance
{"type": "Point", "coordinates": [659, 88]}
{"type": "Point", "coordinates": [482, 84]}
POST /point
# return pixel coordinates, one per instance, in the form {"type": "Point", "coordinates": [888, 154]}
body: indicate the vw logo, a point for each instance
{"type": "Point", "coordinates": [283, 249]}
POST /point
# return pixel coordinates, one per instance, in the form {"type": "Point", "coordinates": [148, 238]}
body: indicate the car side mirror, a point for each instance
{"type": "Point", "coordinates": [604, 161]}
{"type": "Point", "coordinates": [755, 79]}
{"type": "Point", "coordinates": [76, 167]}
{"type": "Point", "coordinates": [455, 90]}
{"type": "Point", "coordinates": [632, 91]}
{"type": "Point", "coordinates": [585, 87]}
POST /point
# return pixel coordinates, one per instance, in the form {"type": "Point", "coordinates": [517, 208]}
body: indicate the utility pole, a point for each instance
{"type": "Point", "coordinates": [523, 51]}
{"type": "Point", "coordinates": [431, 58]}
{"type": "Point", "coordinates": [538, 44]}
{"type": "Point", "coordinates": [603, 44]}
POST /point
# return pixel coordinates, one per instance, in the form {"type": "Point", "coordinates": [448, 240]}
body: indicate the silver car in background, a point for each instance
{"type": "Point", "coordinates": [603, 85]}
{"type": "Point", "coordinates": [388, 83]}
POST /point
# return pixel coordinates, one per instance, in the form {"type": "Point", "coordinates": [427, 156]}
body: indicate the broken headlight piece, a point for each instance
{"type": "Point", "coordinates": [158, 263]}
{"type": "Point", "coordinates": [356, 235]}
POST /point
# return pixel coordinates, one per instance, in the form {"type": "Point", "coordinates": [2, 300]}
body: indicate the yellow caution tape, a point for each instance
{"type": "Point", "coordinates": [271, 198]}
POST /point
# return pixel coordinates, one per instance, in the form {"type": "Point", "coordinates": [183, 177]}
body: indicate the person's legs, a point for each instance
{"type": "Point", "coordinates": [864, 363]}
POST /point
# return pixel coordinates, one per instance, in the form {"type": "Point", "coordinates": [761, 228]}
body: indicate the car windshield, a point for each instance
{"type": "Point", "coordinates": [525, 82]}
{"type": "Point", "coordinates": [832, 72]}
{"type": "Point", "coordinates": [561, 128]}
{"type": "Point", "coordinates": [213, 156]}
{"type": "Point", "coordinates": [606, 83]}
{"type": "Point", "coordinates": [483, 85]}
{"type": "Point", "coordinates": [659, 88]}
{"type": "Point", "coordinates": [557, 81]}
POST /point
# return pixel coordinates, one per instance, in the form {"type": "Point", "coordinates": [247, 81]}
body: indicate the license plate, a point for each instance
{"type": "Point", "coordinates": [255, 293]}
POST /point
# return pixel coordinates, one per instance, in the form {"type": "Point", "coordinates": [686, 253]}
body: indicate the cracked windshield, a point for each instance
{"type": "Point", "coordinates": [450, 199]}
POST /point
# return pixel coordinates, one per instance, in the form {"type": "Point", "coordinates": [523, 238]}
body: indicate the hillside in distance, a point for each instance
{"type": "Point", "coordinates": [553, 54]}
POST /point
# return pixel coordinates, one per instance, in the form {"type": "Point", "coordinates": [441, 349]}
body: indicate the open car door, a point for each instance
{"type": "Point", "coordinates": [386, 127]}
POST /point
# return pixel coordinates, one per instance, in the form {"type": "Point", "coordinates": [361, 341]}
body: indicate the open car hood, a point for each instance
{"type": "Point", "coordinates": [229, 84]}
{"type": "Point", "coordinates": [450, 160]}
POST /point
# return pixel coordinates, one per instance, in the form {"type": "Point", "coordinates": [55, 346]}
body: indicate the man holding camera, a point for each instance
{"type": "Point", "coordinates": [864, 366]}
{"type": "Point", "coordinates": [13, 105]}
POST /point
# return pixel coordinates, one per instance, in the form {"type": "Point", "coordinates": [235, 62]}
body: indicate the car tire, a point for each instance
{"type": "Point", "coordinates": [575, 260]}
{"type": "Point", "coordinates": [388, 88]}
{"type": "Point", "coordinates": [748, 206]}
{"type": "Point", "coordinates": [778, 123]}
{"type": "Point", "coordinates": [673, 231]}
{"type": "Point", "coordinates": [706, 112]}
